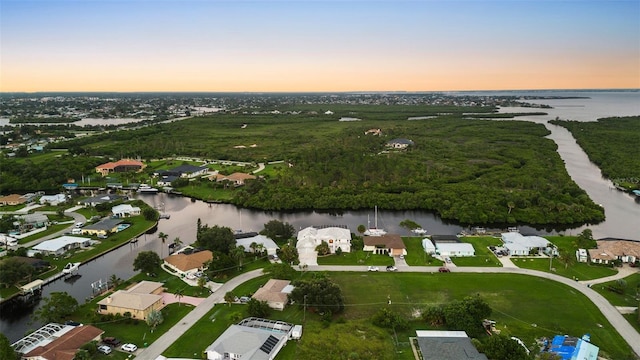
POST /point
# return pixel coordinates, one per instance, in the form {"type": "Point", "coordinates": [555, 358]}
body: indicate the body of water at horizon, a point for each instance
{"type": "Point", "coordinates": [621, 210]}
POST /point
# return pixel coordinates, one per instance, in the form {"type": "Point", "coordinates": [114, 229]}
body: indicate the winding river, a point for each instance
{"type": "Point", "coordinates": [622, 212]}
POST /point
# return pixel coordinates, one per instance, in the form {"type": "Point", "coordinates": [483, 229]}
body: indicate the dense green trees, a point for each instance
{"type": "Point", "coordinates": [56, 307]}
{"type": "Point", "coordinates": [6, 351]}
{"type": "Point", "coordinates": [500, 347]}
{"type": "Point", "coordinates": [258, 308]}
{"type": "Point", "coordinates": [218, 239]}
{"type": "Point", "coordinates": [318, 293]}
{"type": "Point", "coordinates": [147, 262]}
{"type": "Point", "coordinates": [612, 144]}
{"type": "Point", "coordinates": [466, 314]}
{"type": "Point", "coordinates": [12, 271]}
{"type": "Point", "coordinates": [278, 231]}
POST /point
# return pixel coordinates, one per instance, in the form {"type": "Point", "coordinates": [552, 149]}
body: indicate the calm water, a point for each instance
{"type": "Point", "coordinates": [623, 213]}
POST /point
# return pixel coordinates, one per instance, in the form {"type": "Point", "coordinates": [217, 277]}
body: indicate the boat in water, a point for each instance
{"type": "Point", "coordinates": [374, 231]}
{"type": "Point", "coordinates": [70, 268]}
{"type": "Point", "coordinates": [419, 231]}
{"type": "Point", "coordinates": [146, 189]}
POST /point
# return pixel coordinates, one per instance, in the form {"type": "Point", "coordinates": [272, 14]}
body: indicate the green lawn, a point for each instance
{"type": "Point", "coordinates": [205, 191]}
{"type": "Point", "coordinates": [50, 230]}
{"type": "Point", "coordinates": [581, 271]}
{"type": "Point", "coordinates": [631, 294]}
{"type": "Point", "coordinates": [523, 306]}
{"type": "Point", "coordinates": [358, 257]}
{"type": "Point", "coordinates": [416, 255]}
{"type": "Point", "coordinates": [484, 256]}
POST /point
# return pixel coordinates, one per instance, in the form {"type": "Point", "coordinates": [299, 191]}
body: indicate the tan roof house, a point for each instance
{"type": "Point", "coordinates": [66, 346]}
{"type": "Point", "coordinates": [389, 244]}
{"type": "Point", "coordinates": [612, 249]}
{"type": "Point", "coordinates": [237, 178]}
{"type": "Point", "coordinates": [13, 199]}
{"type": "Point", "coordinates": [122, 165]}
{"type": "Point", "coordinates": [275, 292]}
{"type": "Point", "coordinates": [186, 263]}
{"type": "Point", "coordinates": [139, 300]}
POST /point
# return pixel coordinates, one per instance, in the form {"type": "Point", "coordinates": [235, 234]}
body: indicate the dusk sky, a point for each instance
{"type": "Point", "coordinates": [256, 46]}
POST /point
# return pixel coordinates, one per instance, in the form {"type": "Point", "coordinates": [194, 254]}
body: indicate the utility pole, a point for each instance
{"type": "Point", "coordinates": [304, 314]}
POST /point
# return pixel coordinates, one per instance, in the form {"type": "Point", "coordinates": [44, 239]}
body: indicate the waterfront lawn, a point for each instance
{"type": "Point", "coordinates": [250, 263]}
{"type": "Point", "coordinates": [205, 191]}
{"type": "Point", "coordinates": [416, 255]}
{"type": "Point", "coordinates": [484, 256]}
{"type": "Point", "coordinates": [358, 257]}
{"type": "Point", "coordinates": [579, 271]}
{"type": "Point", "coordinates": [628, 298]}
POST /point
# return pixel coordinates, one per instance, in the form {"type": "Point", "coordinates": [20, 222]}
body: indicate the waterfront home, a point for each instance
{"type": "Point", "coordinates": [103, 227]}
{"type": "Point", "coordinates": [237, 178]}
{"type": "Point", "coordinates": [275, 292]}
{"type": "Point", "coordinates": [53, 200]}
{"type": "Point", "coordinates": [268, 244]}
{"type": "Point", "coordinates": [335, 237]}
{"type": "Point", "coordinates": [627, 251]}
{"type": "Point", "coordinates": [388, 244]}
{"type": "Point", "coordinates": [101, 199]}
{"type": "Point", "coordinates": [13, 199]}
{"type": "Point", "coordinates": [61, 344]}
{"type": "Point", "coordinates": [455, 249]}
{"type": "Point", "coordinates": [139, 300]}
{"type": "Point", "coordinates": [185, 264]}
{"type": "Point", "coordinates": [518, 244]}
{"type": "Point", "coordinates": [183, 171]}
{"type": "Point", "coordinates": [61, 245]}
{"type": "Point", "coordinates": [123, 165]}
{"type": "Point", "coordinates": [125, 210]}
{"type": "Point", "coordinates": [251, 339]}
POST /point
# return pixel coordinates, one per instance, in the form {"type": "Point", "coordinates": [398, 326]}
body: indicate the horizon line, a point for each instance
{"type": "Point", "coordinates": [303, 92]}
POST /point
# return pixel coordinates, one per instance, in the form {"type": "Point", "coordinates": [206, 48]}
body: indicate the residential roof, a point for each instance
{"type": "Point", "coordinates": [401, 141]}
{"type": "Point", "coordinates": [102, 199]}
{"type": "Point", "coordinates": [124, 208]}
{"type": "Point", "coordinates": [390, 241]}
{"type": "Point", "coordinates": [272, 291]}
{"type": "Point", "coordinates": [130, 300]}
{"type": "Point", "coordinates": [104, 224]}
{"type": "Point", "coordinates": [445, 238]}
{"type": "Point", "coordinates": [187, 169]}
{"type": "Point", "coordinates": [145, 287]}
{"type": "Point", "coordinates": [66, 346]}
{"type": "Point", "coordinates": [238, 176]}
{"type": "Point", "coordinates": [122, 162]}
{"type": "Point", "coordinates": [455, 247]}
{"type": "Point", "coordinates": [35, 218]}
{"type": "Point", "coordinates": [528, 241]}
{"type": "Point", "coordinates": [249, 342]}
{"type": "Point", "coordinates": [616, 248]}
{"type": "Point", "coordinates": [258, 239]}
{"type": "Point", "coordinates": [59, 243]}
{"type": "Point", "coordinates": [427, 244]}
{"type": "Point", "coordinates": [327, 233]}
{"type": "Point", "coordinates": [13, 198]}
{"type": "Point", "coordinates": [447, 345]}
{"type": "Point", "coordinates": [184, 262]}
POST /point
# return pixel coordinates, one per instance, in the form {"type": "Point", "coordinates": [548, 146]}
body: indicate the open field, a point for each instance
{"type": "Point", "coordinates": [523, 306]}
{"type": "Point", "coordinates": [579, 271]}
{"type": "Point", "coordinates": [631, 295]}
{"type": "Point", "coordinates": [356, 258]}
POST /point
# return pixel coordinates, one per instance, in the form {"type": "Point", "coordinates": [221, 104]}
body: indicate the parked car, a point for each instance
{"type": "Point", "coordinates": [244, 299]}
{"type": "Point", "coordinates": [373, 268]}
{"type": "Point", "coordinates": [444, 269]}
{"type": "Point", "coordinates": [402, 257]}
{"type": "Point", "coordinates": [104, 349]}
{"type": "Point", "coordinates": [392, 268]}
{"type": "Point", "coordinates": [448, 260]}
{"type": "Point", "coordinates": [129, 347]}
{"type": "Point", "coordinates": [111, 341]}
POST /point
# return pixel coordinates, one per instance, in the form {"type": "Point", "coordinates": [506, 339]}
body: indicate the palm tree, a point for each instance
{"type": "Point", "coordinates": [177, 242]}
{"type": "Point", "coordinates": [238, 254]}
{"type": "Point", "coordinates": [163, 236]}
{"type": "Point", "coordinates": [566, 258]}
{"type": "Point", "coordinates": [114, 280]}
{"type": "Point", "coordinates": [179, 295]}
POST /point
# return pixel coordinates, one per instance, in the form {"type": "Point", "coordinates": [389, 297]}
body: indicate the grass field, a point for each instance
{"type": "Point", "coordinates": [523, 306]}
{"type": "Point", "coordinates": [356, 258]}
{"type": "Point", "coordinates": [579, 271]}
{"type": "Point", "coordinates": [416, 255]}
{"type": "Point", "coordinates": [631, 296]}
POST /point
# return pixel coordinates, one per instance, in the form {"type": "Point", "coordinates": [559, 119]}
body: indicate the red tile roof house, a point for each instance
{"type": "Point", "coordinates": [66, 346]}
{"type": "Point", "coordinates": [609, 250]}
{"type": "Point", "coordinates": [389, 244]}
{"type": "Point", "coordinates": [123, 165]}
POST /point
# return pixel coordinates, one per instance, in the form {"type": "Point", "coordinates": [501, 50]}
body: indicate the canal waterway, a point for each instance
{"type": "Point", "coordinates": [621, 210]}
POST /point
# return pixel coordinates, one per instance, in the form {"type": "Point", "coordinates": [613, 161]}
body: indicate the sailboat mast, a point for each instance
{"type": "Point", "coordinates": [376, 216]}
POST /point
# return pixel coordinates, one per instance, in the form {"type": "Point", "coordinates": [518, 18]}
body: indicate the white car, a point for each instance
{"type": "Point", "coordinates": [129, 347]}
{"type": "Point", "coordinates": [104, 349]}
{"type": "Point", "coordinates": [373, 268]}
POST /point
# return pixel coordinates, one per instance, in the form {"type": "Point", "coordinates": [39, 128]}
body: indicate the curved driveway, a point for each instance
{"type": "Point", "coordinates": [628, 333]}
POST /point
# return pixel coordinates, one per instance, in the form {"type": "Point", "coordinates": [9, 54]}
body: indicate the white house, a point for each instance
{"type": "Point", "coordinates": [336, 237]}
{"type": "Point", "coordinates": [518, 244]}
{"type": "Point", "coordinates": [61, 245]}
{"type": "Point", "coordinates": [428, 246]}
{"type": "Point", "coordinates": [455, 249]}
{"type": "Point", "coordinates": [125, 210]}
{"type": "Point", "coordinates": [53, 199]}
{"type": "Point", "coordinates": [251, 339]}
{"type": "Point", "coordinates": [267, 244]}
{"type": "Point", "coordinates": [581, 255]}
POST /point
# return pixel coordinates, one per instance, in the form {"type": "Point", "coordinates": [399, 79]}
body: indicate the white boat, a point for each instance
{"type": "Point", "coordinates": [146, 189]}
{"type": "Point", "coordinates": [70, 267]}
{"type": "Point", "coordinates": [374, 231]}
{"type": "Point", "coordinates": [419, 231]}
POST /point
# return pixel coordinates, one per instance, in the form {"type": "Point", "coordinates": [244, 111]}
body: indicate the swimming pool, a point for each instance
{"type": "Point", "coordinates": [122, 227]}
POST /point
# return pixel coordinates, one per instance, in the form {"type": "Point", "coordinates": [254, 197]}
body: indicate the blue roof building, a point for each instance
{"type": "Point", "coordinates": [572, 348]}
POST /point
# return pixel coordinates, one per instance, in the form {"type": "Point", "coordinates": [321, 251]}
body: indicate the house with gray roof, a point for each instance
{"type": "Point", "coordinates": [447, 345]}
{"type": "Point", "coordinates": [251, 339]}
{"type": "Point", "coordinates": [103, 227]}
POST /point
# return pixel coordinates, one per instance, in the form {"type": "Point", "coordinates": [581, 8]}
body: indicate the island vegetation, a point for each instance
{"type": "Point", "coordinates": [613, 145]}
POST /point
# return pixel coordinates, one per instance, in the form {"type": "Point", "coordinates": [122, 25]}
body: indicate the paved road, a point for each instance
{"type": "Point", "coordinates": [76, 219]}
{"type": "Point", "coordinates": [619, 323]}
{"type": "Point", "coordinates": [159, 346]}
